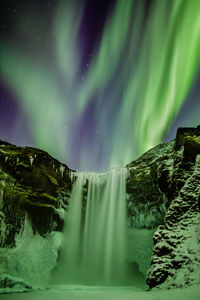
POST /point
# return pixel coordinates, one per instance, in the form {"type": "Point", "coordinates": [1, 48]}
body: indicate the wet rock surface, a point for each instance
{"type": "Point", "coordinates": [175, 260]}
{"type": "Point", "coordinates": [147, 186]}
{"type": "Point", "coordinates": [163, 192]}
{"type": "Point", "coordinates": [32, 184]}
{"type": "Point", "coordinates": [165, 182]}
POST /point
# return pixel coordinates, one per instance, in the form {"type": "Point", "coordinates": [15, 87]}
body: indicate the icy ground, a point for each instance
{"type": "Point", "coordinates": [104, 293]}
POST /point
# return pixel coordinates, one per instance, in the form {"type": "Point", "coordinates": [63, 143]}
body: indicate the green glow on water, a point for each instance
{"type": "Point", "coordinates": [137, 81]}
{"type": "Point", "coordinates": [94, 249]}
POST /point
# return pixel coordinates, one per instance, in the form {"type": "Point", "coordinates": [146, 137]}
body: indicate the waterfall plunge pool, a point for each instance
{"type": "Point", "coordinates": [101, 293]}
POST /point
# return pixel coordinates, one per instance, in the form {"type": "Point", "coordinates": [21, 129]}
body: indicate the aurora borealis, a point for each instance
{"type": "Point", "coordinates": [96, 85]}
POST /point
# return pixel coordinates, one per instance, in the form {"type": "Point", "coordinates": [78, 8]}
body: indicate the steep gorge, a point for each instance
{"type": "Point", "coordinates": [162, 199]}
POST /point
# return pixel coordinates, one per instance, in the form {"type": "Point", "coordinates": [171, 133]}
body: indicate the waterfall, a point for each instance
{"type": "Point", "coordinates": [94, 245]}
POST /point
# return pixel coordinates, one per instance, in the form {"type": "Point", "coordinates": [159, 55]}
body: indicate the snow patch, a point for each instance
{"type": "Point", "coordinates": [140, 247]}
{"type": "Point", "coordinates": [33, 258]}
{"type": "Point", "coordinates": [10, 284]}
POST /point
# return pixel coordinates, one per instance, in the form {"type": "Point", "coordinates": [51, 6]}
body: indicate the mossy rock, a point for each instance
{"type": "Point", "coordinates": [191, 147]}
{"type": "Point", "coordinates": [32, 185]}
{"type": "Point", "coordinates": [184, 132]}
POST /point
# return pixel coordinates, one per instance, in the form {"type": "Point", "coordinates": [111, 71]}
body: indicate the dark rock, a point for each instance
{"type": "Point", "coordinates": [164, 183]}
{"type": "Point", "coordinates": [32, 184]}
{"type": "Point", "coordinates": [183, 132]}
{"type": "Point", "coordinates": [149, 177]}
{"type": "Point", "coordinates": [163, 192]}
{"type": "Point", "coordinates": [10, 283]}
{"type": "Point", "coordinates": [191, 147]}
{"type": "Point", "coordinates": [4, 143]}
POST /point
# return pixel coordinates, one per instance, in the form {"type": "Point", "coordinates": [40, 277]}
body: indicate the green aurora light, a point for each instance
{"type": "Point", "coordinates": [138, 79]}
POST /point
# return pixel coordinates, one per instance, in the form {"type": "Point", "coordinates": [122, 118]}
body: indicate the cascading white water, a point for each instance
{"type": "Point", "coordinates": [94, 246]}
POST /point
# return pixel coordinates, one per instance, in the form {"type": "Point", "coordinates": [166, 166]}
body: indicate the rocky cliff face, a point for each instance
{"type": "Point", "coordinates": [163, 192]}
{"type": "Point", "coordinates": [175, 259]}
{"type": "Point", "coordinates": [34, 185]}
{"type": "Point", "coordinates": [164, 188]}
{"type": "Point", "coordinates": [148, 197]}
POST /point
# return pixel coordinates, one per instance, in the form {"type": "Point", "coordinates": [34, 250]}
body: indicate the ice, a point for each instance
{"type": "Point", "coordinates": [104, 293]}
{"type": "Point", "coordinates": [61, 212]}
{"type": "Point", "coordinates": [140, 247]}
{"type": "Point", "coordinates": [62, 169]}
{"type": "Point", "coordinates": [33, 258]}
{"type": "Point", "coordinates": [31, 160]}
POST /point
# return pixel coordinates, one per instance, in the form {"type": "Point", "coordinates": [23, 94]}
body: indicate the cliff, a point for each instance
{"type": "Point", "coordinates": [164, 188]}
{"type": "Point", "coordinates": [163, 194]}
{"type": "Point", "coordinates": [34, 185]}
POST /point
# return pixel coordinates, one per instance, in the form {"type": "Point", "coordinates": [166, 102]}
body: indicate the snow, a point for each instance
{"type": "Point", "coordinates": [186, 253]}
{"type": "Point", "coordinates": [105, 293]}
{"type": "Point", "coordinates": [140, 247]}
{"type": "Point", "coordinates": [61, 212]}
{"type": "Point", "coordinates": [33, 258]}
{"type": "Point", "coordinates": [9, 284]}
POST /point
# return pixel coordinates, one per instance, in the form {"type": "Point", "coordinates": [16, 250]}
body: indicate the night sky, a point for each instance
{"type": "Point", "coordinates": [97, 83]}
